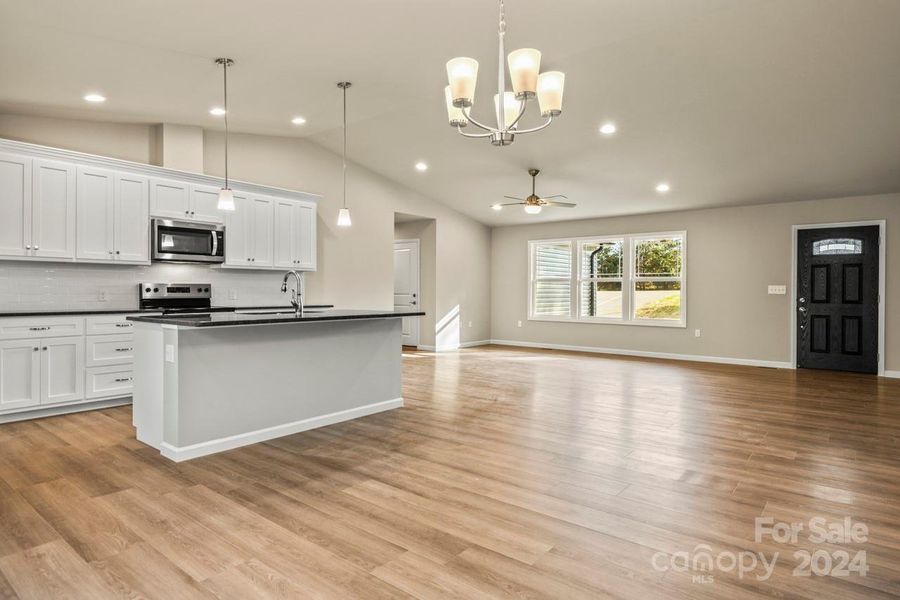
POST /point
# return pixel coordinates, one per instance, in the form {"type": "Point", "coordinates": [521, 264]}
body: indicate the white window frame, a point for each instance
{"type": "Point", "coordinates": [629, 242]}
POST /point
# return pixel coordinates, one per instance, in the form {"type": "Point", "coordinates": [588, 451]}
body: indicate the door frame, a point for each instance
{"type": "Point", "coordinates": [418, 244]}
{"type": "Point", "coordinates": [882, 255]}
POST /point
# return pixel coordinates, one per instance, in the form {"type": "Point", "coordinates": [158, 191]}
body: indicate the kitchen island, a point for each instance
{"type": "Point", "coordinates": [205, 383]}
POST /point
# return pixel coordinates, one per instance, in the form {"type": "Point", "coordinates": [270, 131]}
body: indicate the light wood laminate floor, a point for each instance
{"type": "Point", "coordinates": [508, 474]}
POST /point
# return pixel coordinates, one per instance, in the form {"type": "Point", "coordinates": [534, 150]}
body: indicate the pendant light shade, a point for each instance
{"type": "Point", "coordinates": [344, 214]}
{"type": "Point", "coordinates": [226, 196]}
{"type": "Point", "coordinates": [524, 67]}
{"type": "Point", "coordinates": [226, 199]}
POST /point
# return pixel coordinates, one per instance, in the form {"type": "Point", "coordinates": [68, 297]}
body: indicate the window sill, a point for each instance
{"type": "Point", "coordinates": [639, 322]}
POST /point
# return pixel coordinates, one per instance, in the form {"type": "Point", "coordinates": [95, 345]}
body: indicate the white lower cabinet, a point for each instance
{"type": "Point", "coordinates": [20, 374]}
{"type": "Point", "coordinates": [62, 370]}
{"type": "Point", "coordinates": [111, 381]}
{"type": "Point", "coordinates": [109, 349]}
{"type": "Point", "coordinates": [54, 361]}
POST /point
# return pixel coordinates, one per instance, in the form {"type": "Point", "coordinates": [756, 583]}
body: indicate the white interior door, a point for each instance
{"type": "Point", "coordinates": [406, 287]}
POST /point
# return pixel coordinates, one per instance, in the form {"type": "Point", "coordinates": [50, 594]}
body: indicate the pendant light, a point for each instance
{"type": "Point", "coordinates": [344, 213]}
{"type": "Point", "coordinates": [226, 196]}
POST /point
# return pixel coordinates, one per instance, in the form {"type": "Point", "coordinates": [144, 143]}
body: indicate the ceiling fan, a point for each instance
{"type": "Point", "coordinates": [533, 204]}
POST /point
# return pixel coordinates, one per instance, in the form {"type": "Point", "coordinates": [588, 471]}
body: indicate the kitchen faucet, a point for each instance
{"type": "Point", "coordinates": [296, 298]}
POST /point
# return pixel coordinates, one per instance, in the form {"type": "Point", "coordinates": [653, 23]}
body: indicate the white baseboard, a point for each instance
{"type": "Point", "coordinates": [892, 374]}
{"type": "Point", "coordinates": [750, 362]}
{"type": "Point", "coordinates": [454, 347]}
{"type": "Point", "coordinates": [182, 453]}
{"type": "Point", "coordinates": [64, 409]}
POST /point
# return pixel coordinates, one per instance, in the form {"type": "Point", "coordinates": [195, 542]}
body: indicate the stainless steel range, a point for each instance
{"type": "Point", "coordinates": [178, 298]}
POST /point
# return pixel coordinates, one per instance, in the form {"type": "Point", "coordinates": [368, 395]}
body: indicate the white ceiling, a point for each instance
{"type": "Point", "coordinates": [731, 101]}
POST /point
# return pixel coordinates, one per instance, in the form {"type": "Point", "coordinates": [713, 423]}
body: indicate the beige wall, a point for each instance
{"type": "Point", "coordinates": [355, 264]}
{"type": "Point", "coordinates": [733, 255]}
{"type": "Point", "coordinates": [424, 230]}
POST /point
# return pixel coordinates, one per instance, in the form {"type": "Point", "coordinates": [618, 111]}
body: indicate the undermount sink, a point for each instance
{"type": "Point", "coordinates": [278, 311]}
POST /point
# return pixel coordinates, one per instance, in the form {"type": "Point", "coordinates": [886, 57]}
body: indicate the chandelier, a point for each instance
{"type": "Point", "coordinates": [527, 83]}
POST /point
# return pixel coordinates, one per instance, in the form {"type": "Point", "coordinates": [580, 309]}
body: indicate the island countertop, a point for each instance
{"type": "Point", "coordinates": [229, 319]}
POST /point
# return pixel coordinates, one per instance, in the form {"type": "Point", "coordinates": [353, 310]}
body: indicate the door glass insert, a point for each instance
{"type": "Point", "coordinates": [837, 246]}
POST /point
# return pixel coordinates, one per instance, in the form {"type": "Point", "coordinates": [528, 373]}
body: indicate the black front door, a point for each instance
{"type": "Point", "coordinates": [837, 299]}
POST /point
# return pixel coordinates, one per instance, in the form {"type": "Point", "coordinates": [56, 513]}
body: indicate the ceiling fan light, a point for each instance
{"type": "Point", "coordinates": [533, 209]}
{"type": "Point", "coordinates": [524, 67]}
{"type": "Point", "coordinates": [510, 107]}
{"type": "Point", "coordinates": [226, 200]}
{"type": "Point", "coordinates": [550, 88]}
{"type": "Point", "coordinates": [454, 113]}
{"type": "Point", "coordinates": [462, 75]}
{"type": "Point", "coordinates": [344, 218]}
{"type": "Point", "coordinates": [497, 207]}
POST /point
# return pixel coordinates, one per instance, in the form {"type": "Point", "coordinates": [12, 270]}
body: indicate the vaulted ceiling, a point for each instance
{"type": "Point", "coordinates": [730, 101]}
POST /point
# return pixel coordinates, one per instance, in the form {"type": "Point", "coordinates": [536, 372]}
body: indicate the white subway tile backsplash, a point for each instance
{"type": "Point", "coordinates": [33, 286]}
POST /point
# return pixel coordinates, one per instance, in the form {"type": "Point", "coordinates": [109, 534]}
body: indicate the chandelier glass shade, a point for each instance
{"type": "Point", "coordinates": [528, 83]}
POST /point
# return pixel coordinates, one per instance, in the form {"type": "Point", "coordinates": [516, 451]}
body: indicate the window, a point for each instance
{"type": "Point", "coordinates": [630, 279]}
{"type": "Point", "coordinates": [551, 278]}
{"type": "Point", "coordinates": [837, 246]}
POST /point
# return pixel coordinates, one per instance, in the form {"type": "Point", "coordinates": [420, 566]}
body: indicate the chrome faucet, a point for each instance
{"type": "Point", "coordinates": [296, 298]}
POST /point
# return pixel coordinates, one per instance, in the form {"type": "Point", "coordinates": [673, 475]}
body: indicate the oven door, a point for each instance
{"type": "Point", "coordinates": [183, 241]}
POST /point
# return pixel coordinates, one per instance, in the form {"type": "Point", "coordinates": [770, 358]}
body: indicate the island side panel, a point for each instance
{"type": "Point", "coordinates": [238, 385]}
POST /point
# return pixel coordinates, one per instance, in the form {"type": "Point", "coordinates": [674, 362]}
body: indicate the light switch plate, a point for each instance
{"type": "Point", "coordinates": [170, 353]}
{"type": "Point", "coordinates": [778, 290]}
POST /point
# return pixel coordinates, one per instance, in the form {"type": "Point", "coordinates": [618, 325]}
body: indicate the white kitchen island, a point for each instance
{"type": "Point", "coordinates": [212, 382]}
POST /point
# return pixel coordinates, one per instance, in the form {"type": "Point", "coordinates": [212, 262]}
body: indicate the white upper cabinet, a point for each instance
{"type": "Point", "coordinates": [305, 237]}
{"type": "Point", "coordinates": [132, 218]}
{"type": "Point", "coordinates": [53, 209]}
{"type": "Point", "coordinates": [262, 233]}
{"type": "Point", "coordinates": [81, 208]}
{"type": "Point", "coordinates": [96, 214]}
{"type": "Point", "coordinates": [113, 217]}
{"type": "Point", "coordinates": [205, 203]}
{"type": "Point", "coordinates": [295, 235]}
{"type": "Point", "coordinates": [15, 205]}
{"type": "Point", "coordinates": [170, 199]}
{"type": "Point", "coordinates": [249, 233]}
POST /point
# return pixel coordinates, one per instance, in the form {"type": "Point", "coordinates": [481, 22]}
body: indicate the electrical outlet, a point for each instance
{"type": "Point", "coordinates": [519, 324]}
{"type": "Point", "coordinates": [778, 290]}
{"type": "Point", "coordinates": [104, 297]}
{"type": "Point", "coordinates": [170, 353]}
{"type": "Point", "coordinates": [232, 294]}
{"type": "Point", "coordinates": [696, 333]}
{"type": "Point", "coordinates": [470, 323]}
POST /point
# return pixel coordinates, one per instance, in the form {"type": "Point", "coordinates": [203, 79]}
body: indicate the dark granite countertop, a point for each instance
{"type": "Point", "coordinates": [229, 318]}
{"type": "Point", "coordinates": [123, 311]}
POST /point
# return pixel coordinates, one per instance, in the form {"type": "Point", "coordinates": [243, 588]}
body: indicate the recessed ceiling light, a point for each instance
{"type": "Point", "coordinates": [496, 207]}
{"type": "Point", "coordinates": [608, 128]}
{"type": "Point", "coordinates": [298, 121]}
{"type": "Point", "coordinates": [662, 188]}
{"type": "Point", "coordinates": [217, 111]}
{"type": "Point", "coordinates": [420, 166]}
{"type": "Point", "coordinates": [95, 98]}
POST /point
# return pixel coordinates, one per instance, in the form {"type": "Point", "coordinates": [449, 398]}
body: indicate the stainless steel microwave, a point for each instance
{"type": "Point", "coordinates": [186, 241]}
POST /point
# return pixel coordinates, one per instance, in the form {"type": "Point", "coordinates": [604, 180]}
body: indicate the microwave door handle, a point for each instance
{"type": "Point", "coordinates": [215, 248]}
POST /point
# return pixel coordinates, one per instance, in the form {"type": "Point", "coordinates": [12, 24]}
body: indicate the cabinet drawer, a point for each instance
{"type": "Point", "coordinates": [109, 350]}
{"type": "Point", "coordinates": [108, 324]}
{"type": "Point", "coordinates": [20, 328]}
{"type": "Point", "coordinates": [109, 382]}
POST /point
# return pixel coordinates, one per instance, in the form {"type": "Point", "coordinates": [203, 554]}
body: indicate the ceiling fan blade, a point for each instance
{"type": "Point", "coordinates": [556, 196]}
{"type": "Point", "coordinates": [512, 204]}
{"type": "Point", "coordinates": [561, 204]}
{"type": "Point", "coordinates": [514, 198]}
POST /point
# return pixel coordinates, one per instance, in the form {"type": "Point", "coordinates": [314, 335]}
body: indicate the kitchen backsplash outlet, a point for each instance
{"type": "Point", "coordinates": [57, 286]}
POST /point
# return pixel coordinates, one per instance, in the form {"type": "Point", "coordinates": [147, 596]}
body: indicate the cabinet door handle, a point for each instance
{"type": "Point", "coordinates": [117, 252]}
{"type": "Point", "coordinates": [38, 328]}
{"type": "Point", "coordinates": [45, 347]}
{"type": "Point", "coordinates": [123, 324]}
{"type": "Point", "coordinates": [36, 348]}
{"type": "Point", "coordinates": [122, 379]}
{"type": "Point", "coordinates": [123, 349]}
{"type": "Point", "coordinates": [28, 247]}
{"type": "Point", "coordinates": [37, 247]}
